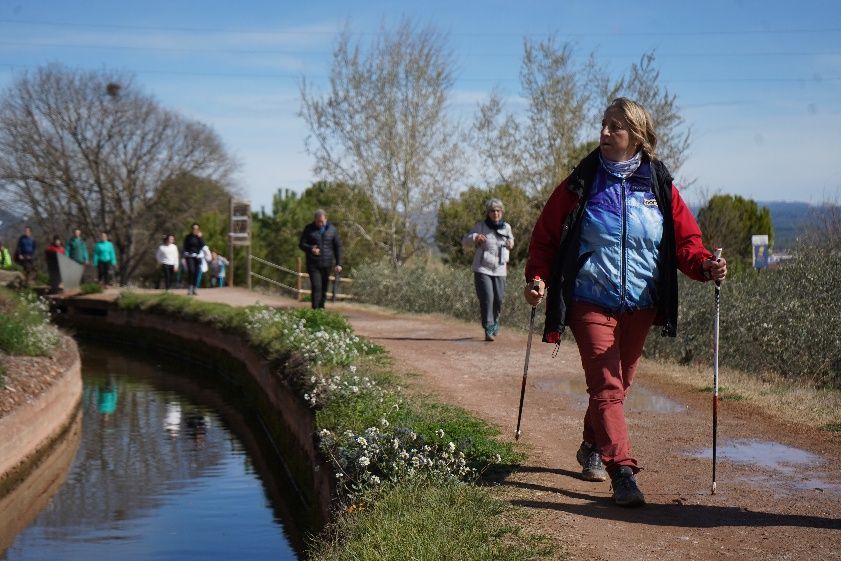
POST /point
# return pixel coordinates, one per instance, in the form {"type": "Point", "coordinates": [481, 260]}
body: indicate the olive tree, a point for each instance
{"type": "Point", "coordinates": [88, 149]}
{"type": "Point", "coordinates": [384, 127]}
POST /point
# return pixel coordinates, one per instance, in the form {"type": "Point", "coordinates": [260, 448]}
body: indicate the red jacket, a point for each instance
{"type": "Point", "coordinates": [559, 227]}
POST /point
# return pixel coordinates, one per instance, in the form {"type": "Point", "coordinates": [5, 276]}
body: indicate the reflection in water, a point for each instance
{"type": "Point", "coordinates": [158, 475]}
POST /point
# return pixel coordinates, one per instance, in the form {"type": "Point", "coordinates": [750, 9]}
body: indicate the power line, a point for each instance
{"type": "Point", "coordinates": [796, 31]}
{"type": "Point", "coordinates": [273, 76]}
{"type": "Point", "coordinates": [235, 51]}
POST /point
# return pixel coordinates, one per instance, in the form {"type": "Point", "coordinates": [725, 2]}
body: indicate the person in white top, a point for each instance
{"type": "Point", "coordinates": [492, 240]}
{"type": "Point", "coordinates": [167, 256]}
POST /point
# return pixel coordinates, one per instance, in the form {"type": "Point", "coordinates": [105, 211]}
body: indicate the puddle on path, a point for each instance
{"type": "Point", "coordinates": [763, 453]}
{"type": "Point", "coordinates": [640, 398]}
{"type": "Point", "coordinates": [794, 469]}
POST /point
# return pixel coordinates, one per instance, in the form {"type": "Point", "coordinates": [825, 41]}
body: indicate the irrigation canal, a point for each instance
{"type": "Point", "coordinates": [164, 468]}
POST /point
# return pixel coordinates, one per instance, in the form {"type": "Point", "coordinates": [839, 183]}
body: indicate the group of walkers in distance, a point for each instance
{"type": "Point", "coordinates": [194, 261]}
{"type": "Point", "coordinates": [103, 257]}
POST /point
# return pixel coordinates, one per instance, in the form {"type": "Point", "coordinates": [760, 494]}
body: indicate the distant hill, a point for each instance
{"type": "Point", "coordinates": [790, 220]}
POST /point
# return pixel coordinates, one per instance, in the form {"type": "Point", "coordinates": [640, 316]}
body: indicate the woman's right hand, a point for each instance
{"type": "Point", "coordinates": [533, 297]}
{"type": "Point", "coordinates": [480, 239]}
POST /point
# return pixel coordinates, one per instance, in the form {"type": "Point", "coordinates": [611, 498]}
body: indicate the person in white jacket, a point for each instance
{"type": "Point", "coordinates": [167, 257]}
{"type": "Point", "coordinates": [492, 240]}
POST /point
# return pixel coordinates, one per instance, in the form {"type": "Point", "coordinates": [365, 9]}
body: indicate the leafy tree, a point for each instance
{"type": "Point", "coordinates": [384, 127]}
{"type": "Point", "coordinates": [457, 217]}
{"type": "Point", "coordinates": [729, 221]}
{"type": "Point", "coordinates": [91, 150]}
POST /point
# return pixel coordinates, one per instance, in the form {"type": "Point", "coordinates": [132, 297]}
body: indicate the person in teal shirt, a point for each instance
{"type": "Point", "coordinates": [76, 248]}
{"type": "Point", "coordinates": [104, 257]}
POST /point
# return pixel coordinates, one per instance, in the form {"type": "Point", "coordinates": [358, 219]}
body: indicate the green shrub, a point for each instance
{"type": "Point", "coordinates": [90, 288]}
{"type": "Point", "coordinates": [786, 321]}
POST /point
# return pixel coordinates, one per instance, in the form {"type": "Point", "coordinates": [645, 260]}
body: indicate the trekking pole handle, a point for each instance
{"type": "Point", "coordinates": [717, 255]}
{"type": "Point", "coordinates": [535, 285]}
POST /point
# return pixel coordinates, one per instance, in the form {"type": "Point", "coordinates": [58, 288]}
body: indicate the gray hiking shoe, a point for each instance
{"type": "Point", "coordinates": [625, 490]}
{"type": "Point", "coordinates": [591, 462]}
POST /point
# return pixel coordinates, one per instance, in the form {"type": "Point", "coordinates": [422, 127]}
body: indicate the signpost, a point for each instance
{"type": "Point", "coordinates": [239, 234]}
{"type": "Point", "coordinates": [760, 252]}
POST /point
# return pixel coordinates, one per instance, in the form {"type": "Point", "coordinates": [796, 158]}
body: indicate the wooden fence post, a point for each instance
{"type": "Point", "coordinates": [298, 281]}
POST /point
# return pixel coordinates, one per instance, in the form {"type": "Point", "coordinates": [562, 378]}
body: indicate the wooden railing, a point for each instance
{"type": "Point", "coordinates": [298, 282]}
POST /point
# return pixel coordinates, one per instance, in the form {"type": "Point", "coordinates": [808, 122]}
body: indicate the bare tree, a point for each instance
{"type": "Point", "coordinates": [535, 149]}
{"type": "Point", "coordinates": [89, 150]}
{"type": "Point", "coordinates": [538, 147]}
{"type": "Point", "coordinates": [384, 127]}
{"type": "Point", "coordinates": [642, 84]}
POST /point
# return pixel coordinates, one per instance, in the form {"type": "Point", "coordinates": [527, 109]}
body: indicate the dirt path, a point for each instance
{"type": "Point", "coordinates": [773, 502]}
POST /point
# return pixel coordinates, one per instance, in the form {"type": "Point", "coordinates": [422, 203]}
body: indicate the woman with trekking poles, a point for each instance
{"type": "Point", "coordinates": [492, 240]}
{"type": "Point", "coordinates": [610, 240]}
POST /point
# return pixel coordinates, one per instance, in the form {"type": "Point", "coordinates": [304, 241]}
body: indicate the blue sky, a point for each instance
{"type": "Point", "coordinates": [759, 82]}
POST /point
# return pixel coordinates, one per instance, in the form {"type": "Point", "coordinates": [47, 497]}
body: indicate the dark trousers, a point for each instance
{"type": "Point", "coordinates": [491, 292]}
{"type": "Point", "coordinates": [320, 284]}
{"type": "Point", "coordinates": [168, 273]}
{"type": "Point", "coordinates": [104, 272]}
{"type": "Point", "coordinates": [193, 271]}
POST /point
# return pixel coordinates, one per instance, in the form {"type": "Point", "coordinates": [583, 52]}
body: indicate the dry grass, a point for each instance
{"type": "Point", "coordinates": [798, 402]}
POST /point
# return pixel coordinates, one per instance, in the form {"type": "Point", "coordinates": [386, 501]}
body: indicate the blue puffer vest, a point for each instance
{"type": "Point", "coordinates": [621, 230]}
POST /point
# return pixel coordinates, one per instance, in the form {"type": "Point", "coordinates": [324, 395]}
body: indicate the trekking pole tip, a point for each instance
{"type": "Point", "coordinates": [713, 490]}
{"type": "Point", "coordinates": [517, 434]}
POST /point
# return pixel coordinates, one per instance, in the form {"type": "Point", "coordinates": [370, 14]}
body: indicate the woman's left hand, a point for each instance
{"type": "Point", "coordinates": [715, 270]}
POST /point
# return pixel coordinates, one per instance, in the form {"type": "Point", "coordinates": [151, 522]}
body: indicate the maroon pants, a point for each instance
{"type": "Point", "coordinates": [610, 346]}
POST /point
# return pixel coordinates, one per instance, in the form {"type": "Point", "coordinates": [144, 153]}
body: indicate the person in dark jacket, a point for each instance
{"type": "Point", "coordinates": [606, 249]}
{"type": "Point", "coordinates": [320, 241]}
{"type": "Point", "coordinates": [25, 254]}
{"type": "Point", "coordinates": [193, 256]}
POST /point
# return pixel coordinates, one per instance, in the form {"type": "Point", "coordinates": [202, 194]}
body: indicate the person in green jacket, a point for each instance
{"type": "Point", "coordinates": [76, 248]}
{"type": "Point", "coordinates": [5, 257]}
{"type": "Point", "coordinates": [104, 258]}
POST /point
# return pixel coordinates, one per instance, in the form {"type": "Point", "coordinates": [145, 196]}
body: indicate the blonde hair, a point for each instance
{"type": "Point", "coordinates": [640, 124]}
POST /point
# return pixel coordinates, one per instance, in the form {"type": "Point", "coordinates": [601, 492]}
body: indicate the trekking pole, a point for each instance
{"type": "Point", "coordinates": [337, 279]}
{"type": "Point", "coordinates": [536, 287]}
{"type": "Point", "coordinates": [715, 366]}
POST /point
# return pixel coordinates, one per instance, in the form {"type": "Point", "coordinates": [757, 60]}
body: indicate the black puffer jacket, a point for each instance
{"type": "Point", "coordinates": [328, 242]}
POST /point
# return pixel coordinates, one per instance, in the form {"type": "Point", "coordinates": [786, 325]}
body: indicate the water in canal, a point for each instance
{"type": "Point", "coordinates": [165, 469]}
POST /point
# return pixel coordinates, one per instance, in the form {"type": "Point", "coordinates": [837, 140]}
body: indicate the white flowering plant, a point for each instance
{"type": "Point", "coordinates": [378, 457]}
{"type": "Point", "coordinates": [25, 327]}
{"type": "Point", "coordinates": [318, 343]}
